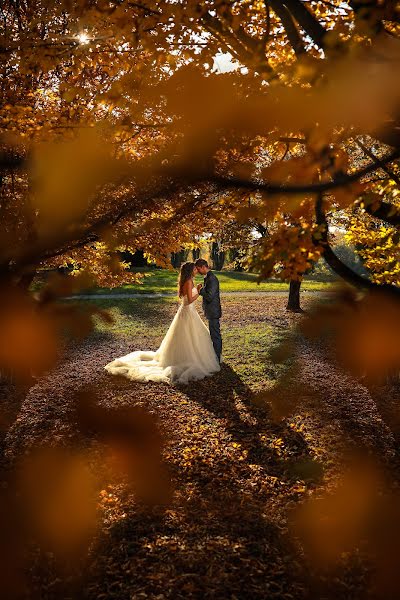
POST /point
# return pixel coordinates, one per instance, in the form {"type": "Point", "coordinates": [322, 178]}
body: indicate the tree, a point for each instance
{"type": "Point", "coordinates": [232, 241]}
{"type": "Point", "coordinates": [293, 303]}
{"type": "Point", "coordinates": [116, 134]}
{"type": "Point", "coordinates": [177, 258]}
{"type": "Point", "coordinates": [217, 255]}
{"type": "Point", "coordinates": [135, 259]}
{"type": "Point", "coordinates": [195, 254]}
{"type": "Point", "coordinates": [236, 257]}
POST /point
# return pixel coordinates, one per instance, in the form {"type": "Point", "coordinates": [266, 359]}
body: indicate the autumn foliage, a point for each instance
{"type": "Point", "coordinates": [117, 132]}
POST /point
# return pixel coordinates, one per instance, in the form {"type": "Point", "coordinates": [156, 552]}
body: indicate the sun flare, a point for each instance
{"type": "Point", "coordinates": [83, 38]}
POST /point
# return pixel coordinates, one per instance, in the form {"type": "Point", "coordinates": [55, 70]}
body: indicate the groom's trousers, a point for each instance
{"type": "Point", "coordinates": [215, 333]}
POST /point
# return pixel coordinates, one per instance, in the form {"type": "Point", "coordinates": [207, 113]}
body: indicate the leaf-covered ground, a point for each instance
{"type": "Point", "coordinates": [236, 472]}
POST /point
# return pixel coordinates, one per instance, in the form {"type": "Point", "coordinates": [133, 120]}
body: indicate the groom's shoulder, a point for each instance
{"type": "Point", "coordinates": [211, 274]}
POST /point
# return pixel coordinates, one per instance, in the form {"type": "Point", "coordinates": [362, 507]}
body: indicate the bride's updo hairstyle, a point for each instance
{"type": "Point", "coordinates": [185, 274]}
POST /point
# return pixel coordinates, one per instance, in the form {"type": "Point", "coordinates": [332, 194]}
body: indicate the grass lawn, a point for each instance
{"type": "Point", "coordinates": [165, 281]}
{"type": "Point", "coordinates": [248, 336]}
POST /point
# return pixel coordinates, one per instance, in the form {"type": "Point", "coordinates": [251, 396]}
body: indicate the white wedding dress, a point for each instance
{"type": "Point", "coordinates": [186, 353]}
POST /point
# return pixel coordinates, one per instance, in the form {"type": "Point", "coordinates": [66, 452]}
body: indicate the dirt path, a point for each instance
{"type": "Point", "coordinates": [234, 471]}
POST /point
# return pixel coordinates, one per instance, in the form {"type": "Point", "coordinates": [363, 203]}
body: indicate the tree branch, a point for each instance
{"type": "Point", "coordinates": [245, 48]}
{"type": "Point", "coordinates": [386, 212]}
{"type": "Point", "coordinates": [337, 265]}
{"type": "Point", "coordinates": [11, 161]}
{"type": "Point", "coordinates": [375, 158]}
{"type": "Point", "coordinates": [311, 188]}
{"type": "Point", "coordinates": [307, 21]}
{"type": "Point", "coordinates": [289, 25]}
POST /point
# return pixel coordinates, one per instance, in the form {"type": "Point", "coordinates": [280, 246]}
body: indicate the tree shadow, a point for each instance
{"type": "Point", "coordinates": [11, 399]}
{"type": "Point", "coordinates": [221, 538]}
{"type": "Point", "coordinates": [230, 399]}
{"type": "Point", "coordinates": [250, 277]}
{"type": "Point", "coordinates": [149, 311]}
{"type": "Point", "coordinates": [242, 276]}
{"type": "Point", "coordinates": [219, 544]}
{"type": "Point", "coordinates": [343, 399]}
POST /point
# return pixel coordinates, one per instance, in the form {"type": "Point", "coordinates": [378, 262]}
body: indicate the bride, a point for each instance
{"type": "Point", "coordinates": [186, 353]}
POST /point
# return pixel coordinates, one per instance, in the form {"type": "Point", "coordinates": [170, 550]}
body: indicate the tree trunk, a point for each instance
{"type": "Point", "coordinates": [235, 259]}
{"type": "Point", "coordinates": [195, 253]}
{"type": "Point", "coordinates": [177, 258]}
{"type": "Point", "coordinates": [138, 259]}
{"type": "Point", "coordinates": [294, 297]}
{"type": "Point", "coordinates": [218, 256]}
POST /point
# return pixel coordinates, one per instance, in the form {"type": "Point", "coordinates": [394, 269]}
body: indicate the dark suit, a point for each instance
{"type": "Point", "coordinates": [212, 309]}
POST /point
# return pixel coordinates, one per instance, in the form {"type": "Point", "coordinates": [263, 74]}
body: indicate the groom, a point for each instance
{"type": "Point", "coordinates": [211, 303]}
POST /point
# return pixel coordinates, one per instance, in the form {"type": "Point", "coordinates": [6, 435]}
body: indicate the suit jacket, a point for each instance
{"type": "Point", "coordinates": [211, 298]}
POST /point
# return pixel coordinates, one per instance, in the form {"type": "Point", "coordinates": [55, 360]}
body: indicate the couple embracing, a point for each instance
{"type": "Point", "coordinates": [189, 351]}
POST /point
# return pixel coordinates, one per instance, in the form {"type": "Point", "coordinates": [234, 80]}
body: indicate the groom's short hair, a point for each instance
{"type": "Point", "coordinates": [200, 262]}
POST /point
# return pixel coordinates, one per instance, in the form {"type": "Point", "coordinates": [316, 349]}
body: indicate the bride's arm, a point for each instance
{"type": "Point", "coordinates": [188, 290]}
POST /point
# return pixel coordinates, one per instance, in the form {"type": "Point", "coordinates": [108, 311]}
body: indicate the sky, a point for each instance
{"type": "Point", "coordinates": [223, 63]}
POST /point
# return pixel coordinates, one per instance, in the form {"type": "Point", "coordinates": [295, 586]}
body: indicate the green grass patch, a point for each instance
{"type": "Point", "coordinates": [246, 346]}
{"type": "Point", "coordinates": [135, 316]}
{"type": "Point", "coordinates": [163, 281]}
